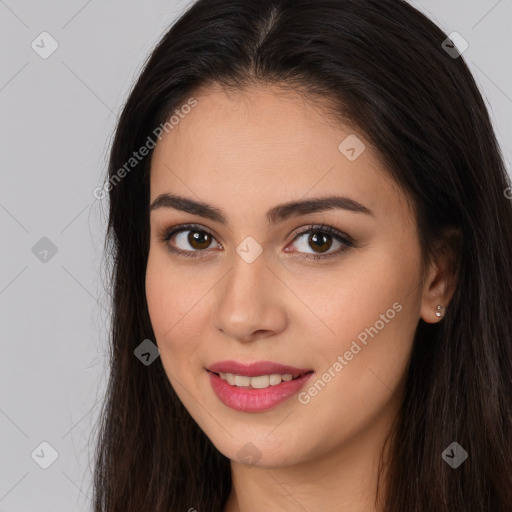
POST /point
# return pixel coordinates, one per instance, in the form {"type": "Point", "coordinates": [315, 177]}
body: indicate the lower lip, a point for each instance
{"type": "Point", "coordinates": [248, 399]}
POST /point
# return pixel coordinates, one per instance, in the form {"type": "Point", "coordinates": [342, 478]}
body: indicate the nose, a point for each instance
{"type": "Point", "coordinates": [250, 301]}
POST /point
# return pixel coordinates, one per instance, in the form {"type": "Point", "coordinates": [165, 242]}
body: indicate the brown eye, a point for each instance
{"type": "Point", "coordinates": [191, 239]}
{"type": "Point", "coordinates": [319, 240]}
{"type": "Point", "coordinates": [187, 240]}
{"type": "Point", "coordinates": [199, 239]}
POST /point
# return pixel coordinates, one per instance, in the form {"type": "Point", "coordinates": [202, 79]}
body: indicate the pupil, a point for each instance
{"type": "Point", "coordinates": [200, 238]}
{"type": "Point", "coordinates": [315, 238]}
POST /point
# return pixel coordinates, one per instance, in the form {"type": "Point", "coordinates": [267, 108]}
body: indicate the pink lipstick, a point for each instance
{"type": "Point", "coordinates": [258, 386]}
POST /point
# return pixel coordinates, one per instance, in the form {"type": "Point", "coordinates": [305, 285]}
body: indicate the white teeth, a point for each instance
{"type": "Point", "coordinates": [275, 379]}
{"type": "Point", "coordinates": [263, 381]}
{"type": "Point", "coordinates": [259, 382]}
{"type": "Point", "coordinates": [241, 380]}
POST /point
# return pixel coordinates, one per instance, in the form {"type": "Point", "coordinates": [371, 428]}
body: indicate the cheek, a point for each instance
{"type": "Point", "coordinates": [161, 306]}
{"type": "Point", "coordinates": [373, 314]}
{"type": "Point", "coordinates": [377, 292]}
{"type": "Point", "coordinates": [362, 364]}
{"type": "Point", "coordinates": [170, 302]}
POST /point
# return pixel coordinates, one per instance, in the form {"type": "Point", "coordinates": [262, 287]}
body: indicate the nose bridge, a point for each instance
{"type": "Point", "coordinates": [246, 302]}
{"type": "Point", "coordinates": [245, 286]}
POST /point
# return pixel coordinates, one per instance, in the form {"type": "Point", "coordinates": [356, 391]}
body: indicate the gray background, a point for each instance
{"type": "Point", "coordinates": [57, 118]}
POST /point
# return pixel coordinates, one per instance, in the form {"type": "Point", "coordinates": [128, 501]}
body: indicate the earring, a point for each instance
{"type": "Point", "coordinates": [440, 310]}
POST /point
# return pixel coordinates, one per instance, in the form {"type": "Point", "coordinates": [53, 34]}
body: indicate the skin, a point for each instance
{"type": "Point", "coordinates": [245, 152]}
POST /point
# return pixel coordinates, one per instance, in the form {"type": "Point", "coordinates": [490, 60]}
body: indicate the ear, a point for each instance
{"type": "Point", "coordinates": [441, 280]}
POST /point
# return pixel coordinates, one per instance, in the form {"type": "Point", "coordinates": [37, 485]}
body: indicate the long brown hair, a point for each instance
{"type": "Point", "coordinates": [382, 67]}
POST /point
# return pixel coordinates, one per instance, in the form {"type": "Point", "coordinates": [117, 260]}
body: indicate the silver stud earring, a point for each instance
{"type": "Point", "coordinates": [440, 310]}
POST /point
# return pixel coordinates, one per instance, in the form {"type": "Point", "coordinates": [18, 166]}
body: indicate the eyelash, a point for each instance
{"type": "Point", "coordinates": [343, 238]}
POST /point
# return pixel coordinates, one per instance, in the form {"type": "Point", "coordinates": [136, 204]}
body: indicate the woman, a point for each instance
{"type": "Point", "coordinates": [309, 219]}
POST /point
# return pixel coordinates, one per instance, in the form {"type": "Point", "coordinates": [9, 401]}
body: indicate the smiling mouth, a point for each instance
{"type": "Point", "coordinates": [258, 381]}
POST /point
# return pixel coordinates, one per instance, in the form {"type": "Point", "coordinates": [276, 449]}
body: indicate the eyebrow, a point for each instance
{"type": "Point", "coordinates": [276, 214]}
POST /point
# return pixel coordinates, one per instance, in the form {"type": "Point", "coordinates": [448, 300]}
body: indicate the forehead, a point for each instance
{"type": "Point", "coordinates": [266, 144]}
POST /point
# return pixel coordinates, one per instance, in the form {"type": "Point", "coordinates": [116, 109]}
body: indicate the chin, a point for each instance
{"type": "Point", "coordinates": [263, 453]}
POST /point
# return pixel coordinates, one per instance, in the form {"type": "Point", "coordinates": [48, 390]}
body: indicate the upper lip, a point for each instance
{"type": "Point", "coordinates": [256, 368]}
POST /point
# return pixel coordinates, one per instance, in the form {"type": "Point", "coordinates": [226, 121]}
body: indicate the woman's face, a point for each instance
{"type": "Point", "coordinates": [250, 291]}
